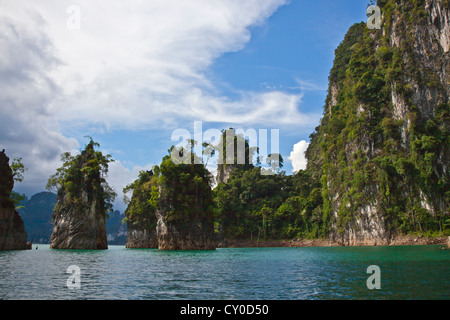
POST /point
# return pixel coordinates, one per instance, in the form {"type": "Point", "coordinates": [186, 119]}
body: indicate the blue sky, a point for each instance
{"type": "Point", "coordinates": [130, 75]}
{"type": "Point", "coordinates": [296, 44]}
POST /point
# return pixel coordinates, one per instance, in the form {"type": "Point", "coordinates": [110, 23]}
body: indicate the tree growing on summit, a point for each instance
{"type": "Point", "coordinates": [84, 200]}
{"type": "Point", "coordinates": [18, 169]}
{"type": "Point", "coordinates": [87, 171]}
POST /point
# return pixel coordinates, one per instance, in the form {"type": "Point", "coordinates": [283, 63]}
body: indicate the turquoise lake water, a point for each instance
{"type": "Point", "coordinates": [409, 272]}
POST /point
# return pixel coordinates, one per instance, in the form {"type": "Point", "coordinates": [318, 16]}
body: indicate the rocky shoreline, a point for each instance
{"type": "Point", "coordinates": [398, 241]}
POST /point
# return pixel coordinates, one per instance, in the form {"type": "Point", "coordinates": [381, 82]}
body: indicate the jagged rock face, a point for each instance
{"type": "Point", "coordinates": [430, 55]}
{"type": "Point", "coordinates": [186, 236]}
{"type": "Point", "coordinates": [140, 237]}
{"type": "Point", "coordinates": [79, 226]}
{"type": "Point", "coordinates": [12, 229]}
{"type": "Point", "coordinates": [140, 214]}
{"type": "Point", "coordinates": [184, 216]}
{"type": "Point", "coordinates": [224, 171]}
{"type": "Point", "coordinates": [372, 143]}
{"type": "Point", "coordinates": [368, 230]}
{"type": "Point", "coordinates": [431, 52]}
{"type": "Point", "coordinates": [172, 209]}
{"type": "Point", "coordinates": [6, 180]}
{"type": "Point", "coordinates": [80, 220]}
{"type": "Point", "coordinates": [195, 234]}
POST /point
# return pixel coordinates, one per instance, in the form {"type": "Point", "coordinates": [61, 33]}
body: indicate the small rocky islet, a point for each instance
{"type": "Point", "coordinates": [12, 230]}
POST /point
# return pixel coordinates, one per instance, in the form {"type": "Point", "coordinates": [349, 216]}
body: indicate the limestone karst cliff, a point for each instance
{"type": "Point", "coordinates": [171, 208]}
{"type": "Point", "coordinates": [381, 150]}
{"type": "Point", "coordinates": [12, 229]}
{"type": "Point", "coordinates": [140, 213]}
{"type": "Point", "coordinates": [83, 197]}
{"type": "Point", "coordinates": [184, 206]}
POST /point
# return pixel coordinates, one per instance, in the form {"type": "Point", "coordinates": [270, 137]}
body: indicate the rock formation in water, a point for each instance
{"type": "Point", "coordinates": [171, 208]}
{"type": "Point", "coordinates": [141, 213]}
{"type": "Point", "coordinates": [12, 229]}
{"type": "Point", "coordinates": [184, 207]}
{"type": "Point", "coordinates": [381, 151]}
{"type": "Point", "coordinates": [83, 200]}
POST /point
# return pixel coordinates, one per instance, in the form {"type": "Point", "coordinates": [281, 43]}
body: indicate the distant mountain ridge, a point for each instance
{"type": "Point", "coordinates": [36, 214]}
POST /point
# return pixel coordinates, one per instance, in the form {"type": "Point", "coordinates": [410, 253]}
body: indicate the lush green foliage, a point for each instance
{"type": "Point", "coordinates": [185, 190]}
{"type": "Point", "coordinates": [362, 155]}
{"type": "Point", "coordinates": [18, 169]}
{"type": "Point", "coordinates": [361, 152]}
{"type": "Point", "coordinates": [85, 172]}
{"type": "Point", "coordinates": [182, 192]}
{"type": "Point", "coordinates": [142, 206]}
{"type": "Point", "coordinates": [251, 205]}
{"type": "Point", "coordinates": [11, 171]}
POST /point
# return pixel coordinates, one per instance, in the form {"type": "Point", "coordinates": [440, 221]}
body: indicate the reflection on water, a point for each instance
{"type": "Point", "coordinates": [416, 272]}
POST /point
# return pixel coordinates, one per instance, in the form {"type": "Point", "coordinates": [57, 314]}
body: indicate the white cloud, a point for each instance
{"type": "Point", "coordinates": [27, 130]}
{"type": "Point", "coordinates": [132, 65]}
{"type": "Point", "coordinates": [308, 86]}
{"type": "Point", "coordinates": [298, 157]}
{"type": "Point", "coordinates": [119, 176]}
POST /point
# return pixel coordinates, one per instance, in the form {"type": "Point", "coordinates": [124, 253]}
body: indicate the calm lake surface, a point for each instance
{"type": "Point", "coordinates": [409, 272]}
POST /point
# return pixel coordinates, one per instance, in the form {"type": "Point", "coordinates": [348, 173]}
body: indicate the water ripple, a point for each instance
{"type": "Point", "coordinates": [251, 274]}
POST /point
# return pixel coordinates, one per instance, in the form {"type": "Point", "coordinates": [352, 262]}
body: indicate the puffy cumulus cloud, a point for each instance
{"type": "Point", "coordinates": [138, 64]}
{"type": "Point", "coordinates": [273, 108]}
{"type": "Point", "coordinates": [298, 157]}
{"type": "Point", "coordinates": [131, 65]}
{"type": "Point", "coordinates": [27, 130]}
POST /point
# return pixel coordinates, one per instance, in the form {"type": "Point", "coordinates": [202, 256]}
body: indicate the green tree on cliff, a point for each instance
{"type": "Point", "coordinates": [86, 171]}
{"type": "Point", "coordinates": [186, 189]}
{"type": "Point", "coordinates": [18, 169]}
{"type": "Point", "coordinates": [143, 203]}
{"type": "Point", "coordinates": [11, 172]}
